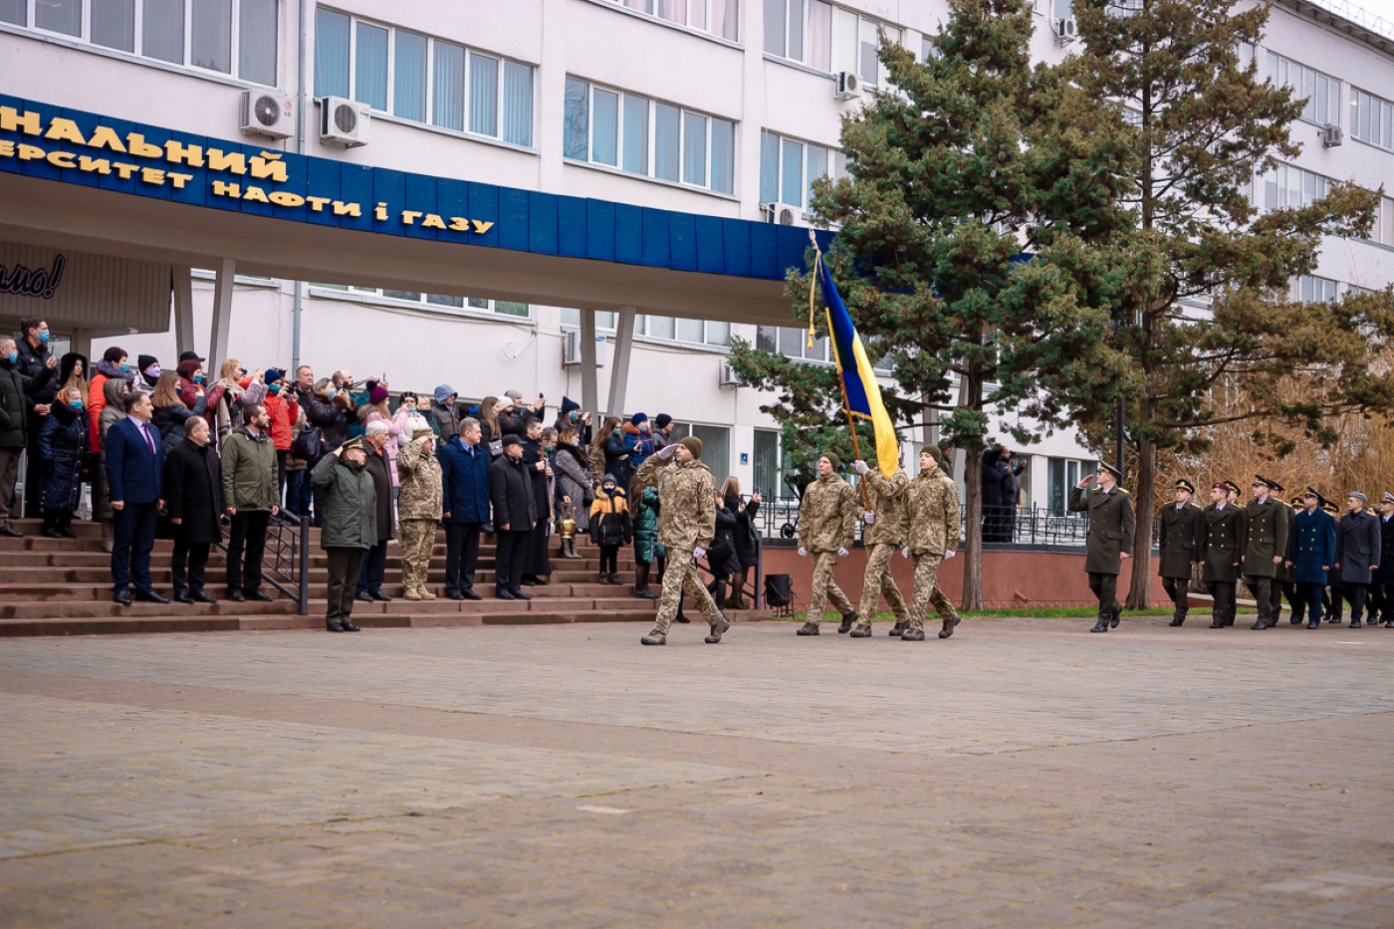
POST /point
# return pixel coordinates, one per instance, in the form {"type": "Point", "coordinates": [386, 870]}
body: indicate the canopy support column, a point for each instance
{"type": "Point", "coordinates": [222, 314]}
{"type": "Point", "coordinates": [619, 368]}
{"type": "Point", "coordinates": [183, 309]}
{"type": "Point", "coordinates": [590, 391]}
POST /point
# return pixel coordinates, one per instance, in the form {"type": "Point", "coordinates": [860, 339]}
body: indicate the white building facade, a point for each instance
{"type": "Point", "coordinates": [724, 108]}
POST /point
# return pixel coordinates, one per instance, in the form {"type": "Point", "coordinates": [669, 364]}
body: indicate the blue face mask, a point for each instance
{"type": "Point", "coordinates": [198, 378]}
{"type": "Point", "coordinates": [614, 432]}
{"type": "Point", "coordinates": [125, 366]}
{"type": "Point", "coordinates": [14, 357]}
{"type": "Point", "coordinates": [76, 405]}
{"type": "Point", "coordinates": [43, 337]}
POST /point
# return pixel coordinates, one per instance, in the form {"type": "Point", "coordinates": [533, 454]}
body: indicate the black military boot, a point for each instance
{"type": "Point", "coordinates": [1105, 617]}
{"type": "Point", "coordinates": [1117, 614]}
{"type": "Point", "coordinates": [848, 620]}
{"type": "Point", "coordinates": [1178, 617]}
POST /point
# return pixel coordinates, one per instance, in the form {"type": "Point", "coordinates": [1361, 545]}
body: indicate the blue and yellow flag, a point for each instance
{"type": "Point", "coordinates": [860, 390]}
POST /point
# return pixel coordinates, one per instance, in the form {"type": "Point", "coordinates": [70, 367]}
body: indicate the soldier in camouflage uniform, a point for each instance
{"type": "Point", "coordinates": [884, 521]}
{"type": "Point", "coordinates": [686, 525]}
{"type": "Point", "coordinates": [419, 509]}
{"type": "Point", "coordinates": [827, 522]}
{"type": "Point", "coordinates": [932, 527]}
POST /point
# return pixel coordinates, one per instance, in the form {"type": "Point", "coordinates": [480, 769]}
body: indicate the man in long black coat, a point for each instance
{"type": "Point", "coordinates": [537, 565]}
{"type": "Point", "coordinates": [1112, 521]}
{"type": "Point", "coordinates": [515, 514]}
{"type": "Point", "coordinates": [1181, 540]}
{"type": "Point", "coordinates": [1382, 585]}
{"type": "Point", "coordinates": [1265, 549]}
{"type": "Point", "coordinates": [1224, 541]}
{"type": "Point", "coordinates": [1357, 553]}
{"type": "Point", "coordinates": [194, 496]}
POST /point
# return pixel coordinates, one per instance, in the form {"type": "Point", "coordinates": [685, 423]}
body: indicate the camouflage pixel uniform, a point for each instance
{"type": "Point", "coordinates": [827, 522]}
{"type": "Point", "coordinates": [932, 524]}
{"type": "Point", "coordinates": [686, 521]}
{"type": "Point", "coordinates": [419, 508]}
{"type": "Point", "coordinates": [881, 539]}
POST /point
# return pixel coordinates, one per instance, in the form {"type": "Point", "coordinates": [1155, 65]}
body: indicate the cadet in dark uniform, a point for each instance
{"type": "Point", "coordinates": [1265, 549]}
{"type": "Point", "coordinates": [1335, 593]}
{"type": "Point", "coordinates": [1312, 551]}
{"type": "Point", "coordinates": [1357, 553]}
{"type": "Point", "coordinates": [1289, 569]}
{"type": "Point", "coordinates": [1181, 541]}
{"type": "Point", "coordinates": [1112, 522]}
{"type": "Point", "coordinates": [1382, 585]}
{"type": "Point", "coordinates": [1224, 540]}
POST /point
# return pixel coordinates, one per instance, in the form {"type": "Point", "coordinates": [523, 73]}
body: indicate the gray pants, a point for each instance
{"type": "Point", "coordinates": [344, 565]}
{"type": "Point", "coordinates": [9, 472]}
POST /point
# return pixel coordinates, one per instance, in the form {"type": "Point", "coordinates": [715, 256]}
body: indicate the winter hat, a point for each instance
{"type": "Point", "coordinates": [444, 392]}
{"type": "Point", "coordinates": [934, 451]}
{"type": "Point", "coordinates": [567, 405]}
{"type": "Point", "coordinates": [692, 444]}
{"type": "Point", "coordinates": [378, 394]}
{"type": "Point", "coordinates": [513, 395]}
{"type": "Point", "coordinates": [609, 479]}
{"type": "Point", "coordinates": [423, 432]}
{"type": "Point", "coordinates": [638, 418]}
{"type": "Point", "coordinates": [145, 361]}
{"type": "Point", "coordinates": [191, 356]}
{"type": "Point", "coordinates": [272, 375]}
{"type": "Point", "coordinates": [662, 420]}
{"type": "Point", "coordinates": [511, 439]}
{"type": "Point", "coordinates": [833, 460]}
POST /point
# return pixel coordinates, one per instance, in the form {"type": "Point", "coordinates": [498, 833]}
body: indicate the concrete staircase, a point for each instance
{"type": "Point", "coordinates": [63, 587]}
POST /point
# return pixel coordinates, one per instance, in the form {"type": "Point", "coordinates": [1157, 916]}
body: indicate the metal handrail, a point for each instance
{"type": "Point", "coordinates": [285, 561]}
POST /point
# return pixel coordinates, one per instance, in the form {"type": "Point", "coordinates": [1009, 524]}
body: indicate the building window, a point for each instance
{"type": "Point", "coordinates": [1311, 289]}
{"type": "Point", "coordinates": [788, 169]}
{"type": "Point", "coordinates": [691, 331]}
{"type": "Point", "coordinates": [1287, 186]}
{"type": "Point", "coordinates": [604, 319]}
{"type": "Point", "coordinates": [421, 78]}
{"type": "Point", "coordinates": [1063, 474]}
{"type": "Point", "coordinates": [826, 37]}
{"type": "Point", "coordinates": [233, 37]}
{"type": "Point", "coordinates": [443, 301]}
{"type": "Point", "coordinates": [1371, 119]}
{"type": "Point", "coordinates": [1322, 92]}
{"type": "Point", "coordinates": [718, 17]}
{"type": "Point", "coordinates": [1383, 232]}
{"type": "Point", "coordinates": [793, 344]}
{"type": "Point", "coordinates": [768, 466]}
{"type": "Point", "coordinates": [716, 446]}
{"type": "Point", "coordinates": [631, 133]}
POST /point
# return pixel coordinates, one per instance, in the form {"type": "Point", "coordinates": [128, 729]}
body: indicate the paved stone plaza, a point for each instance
{"type": "Point", "coordinates": [1023, 773]}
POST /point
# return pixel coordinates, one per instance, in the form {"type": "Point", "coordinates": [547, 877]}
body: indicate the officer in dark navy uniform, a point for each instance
{"type": "Point", "coordinates": [1312, 552]}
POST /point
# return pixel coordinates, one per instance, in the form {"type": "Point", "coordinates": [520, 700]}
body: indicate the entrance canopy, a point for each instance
{"type": "Point", "coordinates": [83, 181]}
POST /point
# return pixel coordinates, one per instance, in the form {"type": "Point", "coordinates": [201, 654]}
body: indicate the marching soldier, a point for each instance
{"type": "Point", "coordinates": [1112, 522]}
{"type": "Point", "coordinates": [827, 523]}
{"type": "Point", "coordinates": [1357, 553]}
{"type": "Point", "coordinates": [1289, 567]}
{"type": "Point", "coordinates": [1265, 549]}
{"type": "Point", "coordinates": [1313, 549]}
{"type": "Point", "coordinates": [1335, 593]}
{"type": "Point", "coordinates": [885, 525]}
{"type": "Point", "coordinates": [1224, 540]}
{"type": "Point", "coordinates": [1182, 537]}
{"type": "Point", "coordinates": [932, 527]}
{"type": "Point", "coordinates": [686, 526]}
{"type": "Point", "coordinates": [1382, 584]}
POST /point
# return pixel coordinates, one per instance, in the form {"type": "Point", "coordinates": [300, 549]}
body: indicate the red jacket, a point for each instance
{"type": "Point", "coordinates": [283, 415]}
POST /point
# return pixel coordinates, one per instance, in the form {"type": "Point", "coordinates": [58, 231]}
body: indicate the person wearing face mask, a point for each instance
{"type": "Point", "coordinates": [34, 356]}
{"type": "Point", "coordinates": [250, 500]}
{"type": "Point", "coordinates": [62, 446]}
{"type": "Point", "coordinates": [115, 410]}
{"type": "Point", "coordinates": [14, 423]}
{"type": "Point", "coordinates": [194, 491]}
{"type": "Point", "coordinates": [639, 439]}
{"type": "Point", "coordinates": [193, 382]}
{"type": "Point", "coordinates": [350, 525]}
{"type": "Point", "coordinates": [112, 365]}
{"type": "Point", "coordinates": [241, 391]}
{"type": "Point", "coordinates": [280, 405]}
{"type": "Point", "coordinates": [617, 457]}
{"type": "Point", "coordinates": [148, 373]}
{"type": "Point", "coordinates": [572, 416]}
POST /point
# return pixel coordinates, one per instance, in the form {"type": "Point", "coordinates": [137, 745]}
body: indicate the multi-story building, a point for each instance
{"type": "Point", "coordinates": [706, 108]}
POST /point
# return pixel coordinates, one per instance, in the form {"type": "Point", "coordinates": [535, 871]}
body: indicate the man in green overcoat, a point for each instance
{"type": "Point", "coordinates": [1265, 548]}
{"type": "Point", "coordinates": [1112, 521]}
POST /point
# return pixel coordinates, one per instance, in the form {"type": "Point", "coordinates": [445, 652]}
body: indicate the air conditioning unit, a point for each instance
{"type": "Point", "coordinates": [343, 122]}
{"type": "Point", "coordinates": [571, 348]}
{"type": "Point", "coordinates": [778, 213]}
{"type": "Point", "coordinates": [849, 86]}
{"type": "Point", "coordinates": [1066, 30]}
{"type": "Point", "coordinates": [1331, 136]}
{"type": "Point", "coordinates": [728, 375]}
{"type": "Point", "coordinates": [267, 113]}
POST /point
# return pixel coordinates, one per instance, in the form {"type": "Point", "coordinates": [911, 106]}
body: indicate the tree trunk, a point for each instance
{"type": "Point", "coordinates": [970, 397]}
{"type": "Point", "coordinates": [1145, 503]}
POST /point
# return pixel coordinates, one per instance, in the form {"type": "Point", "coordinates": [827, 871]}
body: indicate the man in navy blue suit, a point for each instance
{"type": "Point", "coordinates": [134, 463]}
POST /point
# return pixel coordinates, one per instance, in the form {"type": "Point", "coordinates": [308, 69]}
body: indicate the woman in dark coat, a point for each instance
{"type": "Point", "coordinates": [992, 495]}
{"type": "Point", "coordinates": [170, 411]}
{"type": "Point", "coordinates": [644, 501]}
{"type": "Point", "coordinates": [62, 448]}
{"type": "Point", "coordinates": [721, 556]}
{"type": "Point", "coordinates": [743, 535]}
{"type": "Point", "coordinates": [193, 491]}
{"type": "Point", "coordinates": [617, 456]}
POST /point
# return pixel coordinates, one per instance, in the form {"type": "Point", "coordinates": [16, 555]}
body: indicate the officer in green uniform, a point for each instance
{"type": "Point", "coordinates": [1181, 538]}
{"type": "Point", "coordinates": [1224, 541]}
{"type": "Point", "coordinates": [1265, 549]}
{"type": "Point", "coordinates": [1112, 522]}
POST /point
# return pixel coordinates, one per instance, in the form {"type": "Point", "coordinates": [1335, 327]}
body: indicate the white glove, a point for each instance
{"type": "Point", "coordinates": [842, 553]}
{"type": "Point", "coordinates": [905, 552]}
{"type": "Point", "coordinates": [699, 552]}
{"type": "Point", "coordinates": [869, 517]}
{"type": "Point", "coordinates": [949, 554]}
{"type": "Point", "coordinates": [668, 451]}
{"type": "Point", "coordinates": [803, 552]}
{"type": "Point", "coordinates": [861, 466]}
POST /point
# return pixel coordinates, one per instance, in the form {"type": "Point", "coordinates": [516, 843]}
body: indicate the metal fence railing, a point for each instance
{"type": "Point", "coordinates": [285, 563]}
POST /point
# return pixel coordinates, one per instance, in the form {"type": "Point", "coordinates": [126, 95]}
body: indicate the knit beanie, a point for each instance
{"type": "Point", "coordinates": [378, 394]}
{"type": "Point", "coordinates": [692, 444]}
{"type": "Point", "coordinates": [609, 479]}
{"type": "Point", "coordinates": [662, 420]}
{"type": "Point", "coordinates": [833, 460]}
{"type": "Point", "coordinates": [934, 450]}
{"type": "Point", "coordinates": [638, 418]}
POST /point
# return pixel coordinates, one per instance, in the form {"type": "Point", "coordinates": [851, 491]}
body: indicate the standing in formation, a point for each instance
{"type": "Point", "coordinates": [932, 524]}
{"type": "Point", "coordinates": [1357, 553]}
{"type": "Point", "coordinates": [884, 520]}
{"type": "Point", "coordinates": [1312, 552]}
{"type": "Point", "coordinates": [1266, 522]}
{"type": "Point", "coordinates": [1382, 583]}
{"type": "Point", "coordinates": [1224, 542]}
{"type": "Point", "coordinates": [827, 524]}
{"type": "Point", "coordinates": [1182, 538]}
{"type": "Point", "coordinates": [1112, 521]}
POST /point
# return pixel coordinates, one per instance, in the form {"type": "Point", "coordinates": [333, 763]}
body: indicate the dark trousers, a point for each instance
{"type": "Point", "coordinates": [1105, 587]}
{"type": "Point", "coordinates": [1380, 602]}
{"type": "Point", "coordinates": [461, 556]}
{"type": "Point", "coordinates": [246, 542]}
{"type": "Point", "coordinates": [373, 569]}
{"type": "Point", "coordinates": [1179, 590]}
{"type": "Point", "coordinates": [1355, 594]}
{"type": "Point", "coordinates": [188, 565]}
{"type": "Point", "coordinates": [1289, 593]}
{"type": "Point", "coordinates": [1265, 591]}
{"type": "Point", "coordinates": [1335, 605]}
{"type": "Point", "coordinates": [292, 494]}
{"type": "Point", "coordinates": [344, 565]}
{"type": "Point", "coordinates": [509, 555]}
{"type": "Point", "coordinates": [1223, 593]}
{"type": "Point", "coordinates": [9, 475]}
{"type": "Point", "coordinates": [130, 550]}
{"type": "Point", "coordinates": [609, 559]}
{"type": "Point", "coordinates": [34, 473]}
{"type": "Point", "coordinates": [281, 476]}
{"type": "Point", "coordinates": [1309, 602]}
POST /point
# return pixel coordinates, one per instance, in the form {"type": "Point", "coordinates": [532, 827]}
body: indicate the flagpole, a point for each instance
{"type": "Point", "coordinates": [841, 374]}
{"type": "Point", "coordinates": [856, 450]}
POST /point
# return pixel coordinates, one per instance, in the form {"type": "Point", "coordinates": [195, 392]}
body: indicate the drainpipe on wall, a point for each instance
{"type": "Point", "coordinates": [300, 105]}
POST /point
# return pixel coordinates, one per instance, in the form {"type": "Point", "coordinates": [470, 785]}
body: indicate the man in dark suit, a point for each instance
{"type": "Point", "coordinates": [1265, 549]}
{"type": "Point", "coordinates": [1112, 522]}
{"type": "Point", "coordinates": [134, 463]}
{"type": "Point", "coordinates": [1224, 541]}
{"type": "Point", "coordinates": [515, 515]}
{"type": "Point", "coordinates": [1357, 553]}
{"type": "Point", "coordinates": [464, 467]}
{"type": "Point", "coordinates": [1182, 536]}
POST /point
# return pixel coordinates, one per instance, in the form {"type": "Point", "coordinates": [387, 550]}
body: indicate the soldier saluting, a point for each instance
{"type": "Point", "coordinates": [1265, 548]}
{"type": "Point", "coordinates": [1182, 538]}
{"type": "Point", "coordinates": [1224, 541]}
{"type": "Point", "coordinates": [1112, 521]}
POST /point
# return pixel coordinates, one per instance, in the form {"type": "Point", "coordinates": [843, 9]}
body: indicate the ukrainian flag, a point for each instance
{"type": "Point", "coordinates": [860, 391]}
